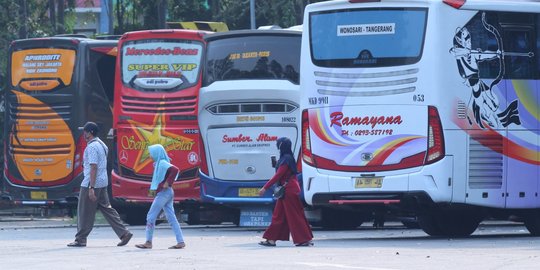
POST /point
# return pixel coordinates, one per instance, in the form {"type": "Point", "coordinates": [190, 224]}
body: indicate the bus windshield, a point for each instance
{"type": "Point", "coordinates": [253, 57]}
{"type": "Point", "coordinates": [161, 65]}
{"type": "Point", "coordinates": [367, 37]}
{"type": "Point", "coordinates": [42, 69]}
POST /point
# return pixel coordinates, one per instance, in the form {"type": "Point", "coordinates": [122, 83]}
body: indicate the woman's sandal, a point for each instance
{"type": "Point", "coordinates": [305, 244]}
{"type": "Point", "coordinates": [178, 246]}
{"type": "Point", "coordinates": [144, 246]}
{"type": "Point", "coordinates": [267, 244]}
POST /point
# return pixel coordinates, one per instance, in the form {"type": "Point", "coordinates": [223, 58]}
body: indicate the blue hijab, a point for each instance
{"type": "Point", "coordinates": [162, 163]}
{"type": "Point", "coordinates": [286, 155]}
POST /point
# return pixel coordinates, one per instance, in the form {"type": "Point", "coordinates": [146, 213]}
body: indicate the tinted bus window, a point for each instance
{"type": "Point", "coordinates": [42, 69]}
{"type": "Point", "coordinates": [255, 57]}
{"type": "Point", "coordinates": [161, 65]}
{"type": "Point", "coordinates": [367, 37]}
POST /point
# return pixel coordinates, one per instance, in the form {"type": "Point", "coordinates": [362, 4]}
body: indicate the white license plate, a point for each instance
{"type": "Point", "coordinates": [368, 182]}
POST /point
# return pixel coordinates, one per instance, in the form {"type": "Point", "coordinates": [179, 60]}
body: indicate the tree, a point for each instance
{"type": "Point", "coordinates": [190, 10]}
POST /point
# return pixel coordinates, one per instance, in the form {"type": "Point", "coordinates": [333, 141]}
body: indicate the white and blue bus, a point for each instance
{"type": "Point", "coordinates": [249, 98]}
{"type": "Point", "coordinates": [428, 108]}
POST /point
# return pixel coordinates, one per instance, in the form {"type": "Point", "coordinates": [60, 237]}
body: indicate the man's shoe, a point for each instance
{"type": "Point", "coordinates": [125, 239]}
{"type": "Point", "coordinates": [76, 244]}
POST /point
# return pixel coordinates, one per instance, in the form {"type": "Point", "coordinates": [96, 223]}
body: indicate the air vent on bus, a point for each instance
{"type": "Point", "coordinates": [236, 108]}
{"type": "Point", "coordinates": [59, 149]}
{"type": "Point", "coordinates": [49, 111]}
{"type": "Point", "coordinates": [485, 161]}
{"type": "Point", "coordinates": [366, 84]}
{"type": "Point", "coordinates": [159, 105]}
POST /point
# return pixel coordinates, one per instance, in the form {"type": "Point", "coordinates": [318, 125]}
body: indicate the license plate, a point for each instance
{"type": "Point", "coordinates": [38, 195]}
{"type": "Point", "coordinates": [248, 192]}
{"type": "Point", "coordinates": [368, 182]}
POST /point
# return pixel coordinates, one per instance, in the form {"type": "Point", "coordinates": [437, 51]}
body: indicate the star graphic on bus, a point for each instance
{"type": "Point", "coordinates": [155, 134]}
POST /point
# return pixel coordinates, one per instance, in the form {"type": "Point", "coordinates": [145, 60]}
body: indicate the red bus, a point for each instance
{"type": "Point", "coordinates": [156, 97]}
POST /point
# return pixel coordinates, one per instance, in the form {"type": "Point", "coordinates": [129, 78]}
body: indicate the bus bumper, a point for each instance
{"type": "Point", "coordinates": [432, 183]}
{"type": "Point", "coordinates": [228, 192]}
{"type": "Point", "coordinates": [60, 195]}
{"type": "Point", "coordinates": [135, 191]}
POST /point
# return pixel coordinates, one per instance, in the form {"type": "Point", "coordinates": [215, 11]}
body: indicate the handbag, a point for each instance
{"type": "Point", "coordinates": [279, 190]}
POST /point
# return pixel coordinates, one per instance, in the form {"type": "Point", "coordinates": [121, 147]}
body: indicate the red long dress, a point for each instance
{"type": "Point", "coordinates": [288, 216]}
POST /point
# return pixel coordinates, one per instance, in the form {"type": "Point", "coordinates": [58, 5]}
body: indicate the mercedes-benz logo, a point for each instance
{"type": "Point", "coordinates": [250, 169]}
{"type": "Point", "coordinates": [123, 156]}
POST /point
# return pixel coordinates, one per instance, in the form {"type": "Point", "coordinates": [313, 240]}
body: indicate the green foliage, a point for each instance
{"type": "Point", "coordinates": [189, 10]}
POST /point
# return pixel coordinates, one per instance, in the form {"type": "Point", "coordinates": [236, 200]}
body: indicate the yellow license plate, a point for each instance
{"type": "Point", "coordinates": [38, 195]}
{"type": "Point", "coordinates": [248, 192]}
{"type": "Point", "coordinates": [368, 182]}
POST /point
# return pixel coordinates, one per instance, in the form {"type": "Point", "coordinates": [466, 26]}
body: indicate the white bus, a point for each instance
{"type": "Point", "coordinates": [250, 98]}
{"type": "Point", "coordinates": [423, 107]}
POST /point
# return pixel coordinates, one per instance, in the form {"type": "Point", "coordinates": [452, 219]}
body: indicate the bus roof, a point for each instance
{"type": "Point", "coordinates": [165, 33]}
{"type": "Point", "coordinates": [488, 5]}
{"type": "Point", "coordinates": [47, 41]}
{"type": "Point", "coordinates": [240, 33]}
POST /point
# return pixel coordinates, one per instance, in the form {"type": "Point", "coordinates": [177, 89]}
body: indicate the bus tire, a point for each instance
{"type": "Point", "coordinates": [532, 223]}
{"type": "Point", "coordinates": [458, 223]}
{"type": "Point", "coordinates": [428, 223]}
{"type": "Point", "coordinates": [410, 224]}
{"type": "Point", "coordinates": [135, 216]}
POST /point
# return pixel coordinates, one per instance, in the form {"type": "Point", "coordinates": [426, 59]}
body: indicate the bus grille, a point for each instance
{"type": "Point", "coordinates": [178, 105]}
{"type": "Point", "coordinates": [41, 112]}
{"type": "Point", "coordinates": [485, 162]}
{"type": "Point", "coordinates": [23, 113]}
{"type": "Point", "coordinates": [366, 84]}
{"type": "Point", "coordinates": [246, 108]}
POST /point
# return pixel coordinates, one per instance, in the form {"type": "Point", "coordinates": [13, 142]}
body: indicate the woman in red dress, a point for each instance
{"type": "Point", "coordinates": [288, 216]}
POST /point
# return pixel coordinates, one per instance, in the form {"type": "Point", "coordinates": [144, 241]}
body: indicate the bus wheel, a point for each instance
{"type": "Point", "coordinates": [194, 218]}
{"type": "Point", "coordinates": [532, 223]}
{"type": "Point", "coordinates": [428, 223]}
{"type": "Point", "coordinates": [411, 224]}
{"type": "Point", "coordinates": [135, 216]}
{"type": "Point", "coordinates": [454, 223]}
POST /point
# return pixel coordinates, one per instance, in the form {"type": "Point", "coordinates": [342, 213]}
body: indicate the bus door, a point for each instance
{"type": "Point", "coordinates": [520, 110]}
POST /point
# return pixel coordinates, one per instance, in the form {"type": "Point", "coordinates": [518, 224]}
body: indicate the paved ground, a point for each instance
{"type": "Point", "coordinates": [34, 243]}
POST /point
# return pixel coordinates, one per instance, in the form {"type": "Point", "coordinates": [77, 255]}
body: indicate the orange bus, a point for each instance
{"type": "Point", "coordinates": [54, 85]}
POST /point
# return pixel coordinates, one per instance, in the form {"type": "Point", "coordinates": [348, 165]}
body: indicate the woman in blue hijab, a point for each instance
{"type": "Point", "coordinates": [288, 216]}
{"type": "Point", "coordinates": [163, 177]}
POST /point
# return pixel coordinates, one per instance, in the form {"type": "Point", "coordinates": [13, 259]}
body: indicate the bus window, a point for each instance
{"type": "Point", "coordinates": [365, 39]}
{"type": "Point", "coordinates": [161, 65]}
{"type": "Point", "coordinates": [519, 66]}
{"type": "Point", "coordinates": [106, 70]}
{"type": "Point", "coordinates": [254, 57]}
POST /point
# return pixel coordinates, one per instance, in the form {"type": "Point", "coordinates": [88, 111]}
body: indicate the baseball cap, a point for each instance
{"type": "Point", "coordinates": [91, 127]}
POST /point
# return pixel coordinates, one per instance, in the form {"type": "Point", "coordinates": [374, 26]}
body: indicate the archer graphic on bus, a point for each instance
{"type": "Point", "coordinates": [483, 102]}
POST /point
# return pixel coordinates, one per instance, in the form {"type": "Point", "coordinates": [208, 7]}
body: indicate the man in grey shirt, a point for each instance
{"type": "Point", "coordinates": [94, 194]}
